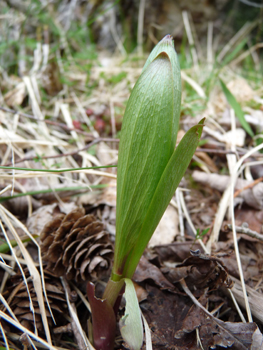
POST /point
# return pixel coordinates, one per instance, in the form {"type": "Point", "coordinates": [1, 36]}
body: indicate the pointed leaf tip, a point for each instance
{"type": "Point", "coordinates": [169, 39]}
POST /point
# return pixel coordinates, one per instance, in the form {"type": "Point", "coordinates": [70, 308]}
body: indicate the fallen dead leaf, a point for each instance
{"type": "Point", "coordinates": [16, 96]}
{"type": "Point", "coordinates": [145, 270]}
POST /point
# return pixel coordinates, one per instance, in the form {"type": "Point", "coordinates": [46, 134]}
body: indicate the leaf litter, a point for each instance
{"type": "Point", "coordinates": [182, 285]}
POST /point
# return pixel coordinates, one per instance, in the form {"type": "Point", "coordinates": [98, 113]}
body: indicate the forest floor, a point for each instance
{"type": "Point", "coordinates": [199, 282]}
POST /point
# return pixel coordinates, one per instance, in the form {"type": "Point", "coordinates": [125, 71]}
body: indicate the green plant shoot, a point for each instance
{"type": "Point", "coordinates": [147, 144]}
{"type": "Point", "coordinates": [149, 170]}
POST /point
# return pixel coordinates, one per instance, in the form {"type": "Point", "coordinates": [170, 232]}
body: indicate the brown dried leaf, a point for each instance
{"type": "Point", "coordinates": [165, 312]}
{"type": "Point", "coordinates": [200, 272]}
{"type": "Point", "coordinates": [214, 332]}
{"type": "Point", "coordinates": [146, 270]}
{"type": "Point", "coordinates": [16, 96]}
{"type": "Point", "coordinates": [176, 252]}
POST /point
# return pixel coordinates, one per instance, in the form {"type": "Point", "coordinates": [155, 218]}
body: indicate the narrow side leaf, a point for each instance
{"type": "Point", "coordinates": [237, 108]}
{"type": "Point", "coordinates": [131, 323]}
{"type": "Point", "coordinates": [167, 185]}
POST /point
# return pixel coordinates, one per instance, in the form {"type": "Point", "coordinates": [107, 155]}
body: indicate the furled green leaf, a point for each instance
{"type": "Point", "coordinates": [237, 108]}
{"type": "Point", "coordinates": [131, 323]}
{"type": "Point", "coordinates": [147, 142]}
{"type": "Point", "coordinates": [167, 185]}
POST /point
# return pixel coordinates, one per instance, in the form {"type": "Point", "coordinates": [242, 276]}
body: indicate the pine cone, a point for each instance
{"type": "Point", "coordinates": [18, 300]}
{"type": "Point", "coordinates": [75, 245]}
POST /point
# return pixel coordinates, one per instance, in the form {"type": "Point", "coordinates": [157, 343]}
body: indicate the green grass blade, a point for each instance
{"type": "Point", "coordinates": [234, 52]}
{"type": "Point", "coordinates": [56, 170]}
{"type": "Point", "coordinates": [51, 190]}
{"type": "Point", "coordinates": [4, 247]}
{"type": "Point", "coordinates": [237, 108]}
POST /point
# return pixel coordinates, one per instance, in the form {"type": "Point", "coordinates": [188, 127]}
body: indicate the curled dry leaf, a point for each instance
{"type": "Point", "coordinates": [43, 215]}
{"type": "Point", "coordinates": [177, 251]}
{"type": "Point", "coordinates": [251, 255]}
{"type": "Point", "coordinates": [214, 332]}
{"type": "Point", "coordinates": [200, 272]}
{"type": "Point", "coordinates": [252, 217]}
{"type": "Point", "coordinates": [145, 270]}
{"type": "Point", "coordinates": [164, 324]}
{"type": "Point", "coordinates": [16, 96]}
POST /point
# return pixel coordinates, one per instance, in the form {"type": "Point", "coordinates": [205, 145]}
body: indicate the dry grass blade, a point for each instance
{"type": "Point", "coordinates": [140, 27]}
{"type": "Point", "coordinates": [22, 272]}
{"type": "Point", "coordinates": [190, 38]}
{"type": "Point", "coordinates": [25, 330]}
{"type": "Point", "coordinates": [147, 331]}
{"type": "Point", "coordinates": [194, 84]}
{"type": "Point", "coordinates": [14, 258]}
{"type": "Point", "coordinates": [229, 196]}
{"type": "Point", "coordinates": [210, 56]}
{"type": "Point", "coordinates": [255, 299]}
{"type": "Point", "coordinates": [32, 268]}
{"type": "Point", "coordinates": [7, 268]}
{"type": "Point", "coordinates": [40, 174]}
{"type": "Point", "coordinates": [4, 337]}
{"type": "Point", "coordinates": [249, 315]}
{"type": "Point", "coordinates": [237, 306]}
{"type": "Point", "coordinates": [187, 216]}
{"type": "Point", "coordinates": [82, 297]}
{"type": "Point", "coordinates": [224, 202]}
{"type": "Point", "coordinates": [236, 38]}
{"type": "Point", "coordinates": [81, 337]}
{"type": "Point", "coordinates": [41, 287]}
{"type": "Point", "coordinates": [6, 305]}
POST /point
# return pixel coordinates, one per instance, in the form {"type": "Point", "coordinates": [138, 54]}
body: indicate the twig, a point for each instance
{"type": "Point", "coordinates": [221, 151]}
{"type": "Point", "coordinates": [245, 230]}
{"type": "Point", "coordinates": [100, 139]}
{"type": "Point", "coordinates": [250, 3]}
{"type": "Point", "coordinates": [187, 216]}
{"type": "Point", "coordinates": [25, 330]}
{"type": "Point", "coordinates": [190, 38]}
{"type": "Point", "coordinates": [140, 27]}
{"type": "Point", "coordinates": [252, 184]}
{"type": "Point", "coordinates": [178, 194]}
{"type": "Point", "coordinates": [76, 327]}
{"type": "Point", "coordinates": [246, 53]}
{"type": "Point", "coordinates": [247, 27]}
{"type": "Point", "coordinates": [63, 126]}
{"type": "Point", "coordinates": [63, 329]}
{"type": "Point", "coordinates": [197, 303]}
